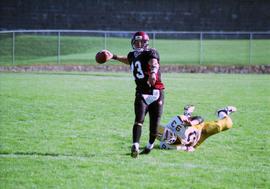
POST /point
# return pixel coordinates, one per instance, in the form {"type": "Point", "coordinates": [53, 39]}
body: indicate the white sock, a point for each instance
{"type": "Point", "coordinates": [221, 115]}
{"type": "Point", "coordinates": [136, 144]}
{"type": "Point", "coordinates": [150, 146]}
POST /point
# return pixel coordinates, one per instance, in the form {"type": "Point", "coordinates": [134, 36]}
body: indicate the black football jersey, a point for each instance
{"type": "Point", "coordinates": [141, 70]}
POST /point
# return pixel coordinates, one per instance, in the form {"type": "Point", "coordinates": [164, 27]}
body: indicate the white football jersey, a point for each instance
{"type": "Point", "coordinates": [188, 135]}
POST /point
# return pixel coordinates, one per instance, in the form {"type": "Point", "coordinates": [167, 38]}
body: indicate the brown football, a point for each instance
{"type": "Point", "coordinates": [101, 57]}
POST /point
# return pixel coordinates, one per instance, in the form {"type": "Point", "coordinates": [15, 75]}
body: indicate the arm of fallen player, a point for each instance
{"type": "Point", "coordinates": [164, 145]}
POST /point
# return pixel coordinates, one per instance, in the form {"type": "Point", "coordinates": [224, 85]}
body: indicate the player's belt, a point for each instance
{"type": "Point", "coordinates": [151, 98]}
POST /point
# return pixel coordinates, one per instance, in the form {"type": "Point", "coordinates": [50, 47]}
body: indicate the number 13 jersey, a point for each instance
{"type": "Point", "coordinates": [141, 70]}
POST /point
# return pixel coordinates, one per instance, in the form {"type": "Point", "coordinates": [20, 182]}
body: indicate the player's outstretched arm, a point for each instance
{"type": "Point", "coordinates": [104, 55]}
{"type": "Point", "coordinates": [164, 145]}
{"type": "Point", "coordinates": [185, 148]}
{"type": "Point", "coordinates": [122, 59]}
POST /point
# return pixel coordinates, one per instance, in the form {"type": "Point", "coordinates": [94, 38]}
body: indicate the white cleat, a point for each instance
{"type": "Point", "coordinates": [134, 151]}
{"type": "Point", "coordinates": [188, 110]}
{"type": "Point", "coordinates": [226, 111]}
{"type": "Point", "coordinates": [231, 109]}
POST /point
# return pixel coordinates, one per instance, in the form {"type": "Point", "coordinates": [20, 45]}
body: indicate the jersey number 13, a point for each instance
{"type": "Point", "coordinates": [138, 70]}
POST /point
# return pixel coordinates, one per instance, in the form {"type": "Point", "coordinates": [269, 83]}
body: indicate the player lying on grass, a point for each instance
{"type": "Point", "coordinates": [187, 132]}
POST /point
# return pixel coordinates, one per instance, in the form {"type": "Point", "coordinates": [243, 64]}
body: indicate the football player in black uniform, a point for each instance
{"type": "Point", "coordinates": [149, 97]}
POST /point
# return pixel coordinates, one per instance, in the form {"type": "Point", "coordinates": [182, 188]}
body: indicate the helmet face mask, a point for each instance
{"type": "Point", "coordinates": [140, 41]}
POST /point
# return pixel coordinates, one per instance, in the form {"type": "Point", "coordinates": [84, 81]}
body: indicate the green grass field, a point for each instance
{"type": "Point", "coordinates": [73, 130]}
{"type": "Point", "coordinates": [42, 49]}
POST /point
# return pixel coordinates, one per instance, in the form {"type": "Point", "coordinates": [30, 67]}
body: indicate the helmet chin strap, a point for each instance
{"type": "Point", "coordinates": [138, 49]}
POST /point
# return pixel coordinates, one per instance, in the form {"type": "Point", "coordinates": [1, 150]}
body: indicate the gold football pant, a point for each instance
{"type": "Point", "coordinates": [210, 128]}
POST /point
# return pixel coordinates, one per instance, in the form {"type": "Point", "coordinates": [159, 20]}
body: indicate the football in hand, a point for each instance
{"type": "Point", "coordinates": [102, 57]}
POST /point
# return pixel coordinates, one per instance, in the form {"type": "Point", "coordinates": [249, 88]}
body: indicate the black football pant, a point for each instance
{"type": "Point", "coordinates": [155, 111]}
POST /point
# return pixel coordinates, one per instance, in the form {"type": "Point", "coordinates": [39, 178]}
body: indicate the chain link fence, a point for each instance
{"type": "Point", "coordinates": [80, 46]}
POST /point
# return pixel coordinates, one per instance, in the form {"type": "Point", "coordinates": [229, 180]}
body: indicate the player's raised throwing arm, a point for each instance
{"type": "Point", "coordinates": [122, 59]}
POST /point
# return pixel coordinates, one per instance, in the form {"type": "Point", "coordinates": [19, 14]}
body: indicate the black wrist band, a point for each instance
{"type": "Point", "coordinates": [114, 57]}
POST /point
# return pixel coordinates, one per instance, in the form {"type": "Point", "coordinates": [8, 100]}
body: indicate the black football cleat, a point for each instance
{"type": "Point", "coordinates": [146, 151]}
{"type": "Point", "coordinates": [134, 151]}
